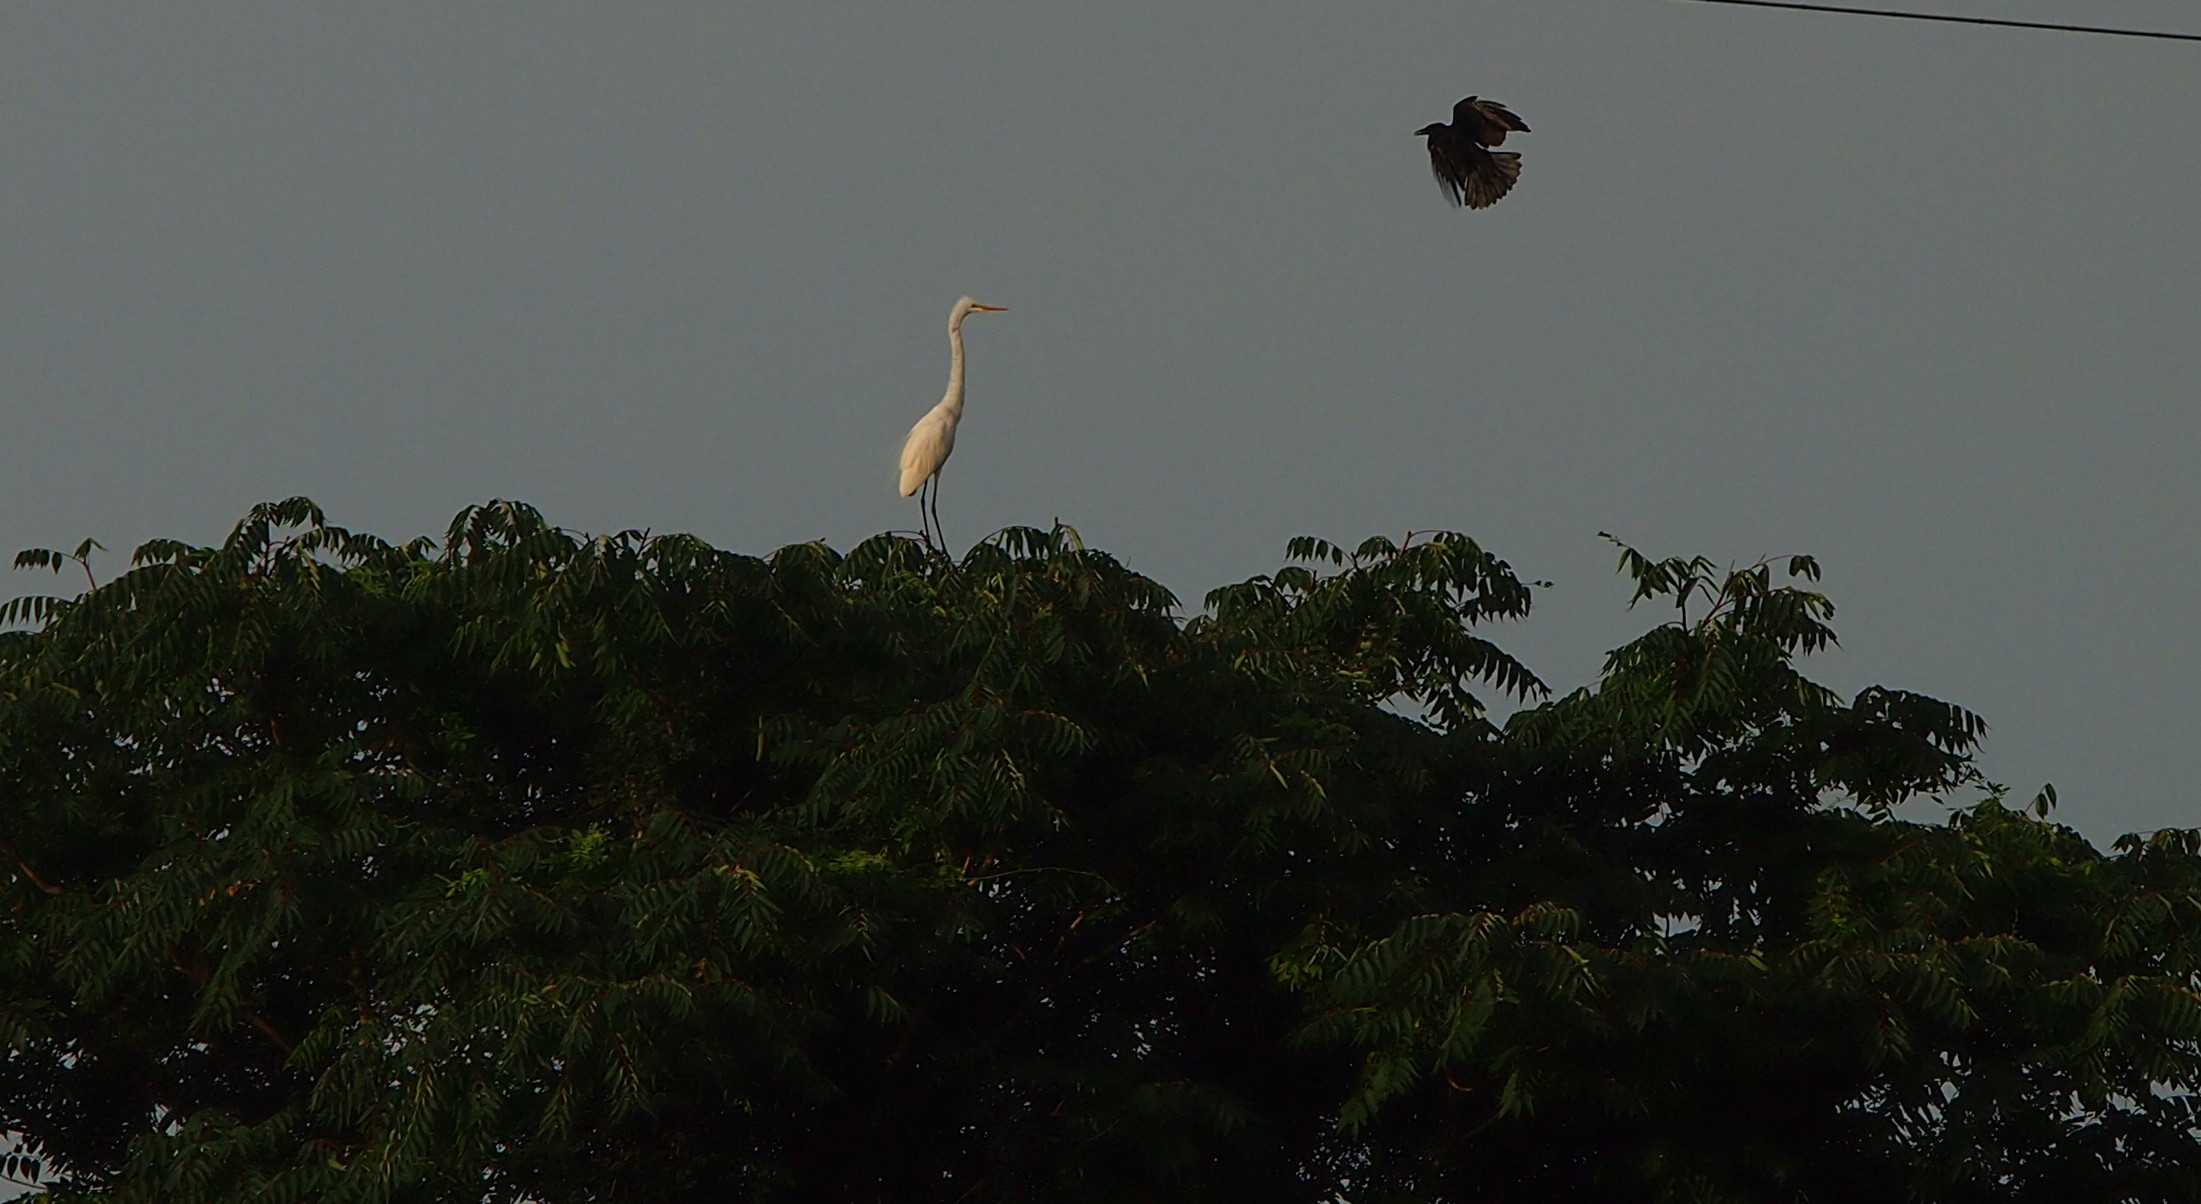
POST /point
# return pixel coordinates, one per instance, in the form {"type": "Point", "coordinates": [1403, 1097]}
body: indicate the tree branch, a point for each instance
{"type": "Point", "coordinates": [198, 979]}
{"type": "Point", "coordinates": [25, 866]}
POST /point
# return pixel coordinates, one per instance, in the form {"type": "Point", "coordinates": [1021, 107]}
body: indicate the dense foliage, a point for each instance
{"type": "Point", "coordinates": [527, 866]}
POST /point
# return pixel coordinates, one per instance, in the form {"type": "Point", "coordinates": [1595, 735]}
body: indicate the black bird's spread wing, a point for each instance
{"type": "Point", "coordinates": [1450, 165]}
{"type": "Point", "coordinates": [1486, 121]}
{"type": "Point", "coordinates": [1501, 170]}
{"type": "Point", "coordinates": [1469, 174]}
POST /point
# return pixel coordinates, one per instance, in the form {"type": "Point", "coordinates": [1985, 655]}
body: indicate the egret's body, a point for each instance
{"type": "Point", "coordinates": [933, 437]}
{"type": "Point", "coordinates": [928, 446]}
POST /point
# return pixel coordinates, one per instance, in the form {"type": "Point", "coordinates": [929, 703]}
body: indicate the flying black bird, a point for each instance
{"type": "Point", "coordinates": [1460, 154]}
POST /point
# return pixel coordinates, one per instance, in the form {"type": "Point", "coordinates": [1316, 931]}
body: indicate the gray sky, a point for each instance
{"type": "Point", "coordinates": [1921, 300]}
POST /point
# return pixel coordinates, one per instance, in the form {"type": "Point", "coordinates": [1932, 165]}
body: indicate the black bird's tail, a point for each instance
{"type": "Point", "coordinates": [1491, 178]}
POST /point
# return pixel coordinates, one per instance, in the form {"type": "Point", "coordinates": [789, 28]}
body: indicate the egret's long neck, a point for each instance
{"type": "Point", "coordinates": [954, 399]}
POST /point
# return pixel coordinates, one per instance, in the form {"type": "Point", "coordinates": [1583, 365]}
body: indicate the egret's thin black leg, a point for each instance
{"type": "Point", "coordinates": [924, 516]}
{"type": "Point", "coordinates": [939, 530]}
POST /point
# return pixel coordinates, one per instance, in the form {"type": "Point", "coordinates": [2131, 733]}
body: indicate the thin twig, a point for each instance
{"type": "Point", "coordinates": [253, 1018]}
{"type": "Point", "coordinates": [25, 866]}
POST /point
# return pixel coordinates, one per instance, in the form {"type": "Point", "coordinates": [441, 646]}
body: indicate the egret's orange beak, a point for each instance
{"type": "Point", "coordinates": [995, 308]}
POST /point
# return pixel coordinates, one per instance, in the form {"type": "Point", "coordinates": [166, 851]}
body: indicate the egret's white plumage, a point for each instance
{"type": "Point", "coordinates": [928, 446]}
{"type": "Point", "coordinates": [933, 437]}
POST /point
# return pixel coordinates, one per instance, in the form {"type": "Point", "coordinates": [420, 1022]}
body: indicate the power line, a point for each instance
{"type": "Point", "coordinates": [1889, 12]}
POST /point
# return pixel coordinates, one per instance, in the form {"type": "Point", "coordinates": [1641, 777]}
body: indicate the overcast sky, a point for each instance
{"type": "Point", "coordinates": [1922, 300]}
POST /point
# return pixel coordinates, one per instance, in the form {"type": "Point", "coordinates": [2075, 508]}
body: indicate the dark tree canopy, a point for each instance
{"type": "Point", "coordinates": [535, 867]}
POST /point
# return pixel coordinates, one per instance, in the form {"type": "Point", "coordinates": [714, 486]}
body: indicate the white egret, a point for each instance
{"type": "Point", "coordinates": [933, 437]}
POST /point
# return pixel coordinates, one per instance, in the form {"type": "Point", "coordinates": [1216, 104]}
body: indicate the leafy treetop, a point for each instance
{"type": "Point", "coordinates": [525, 865]}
